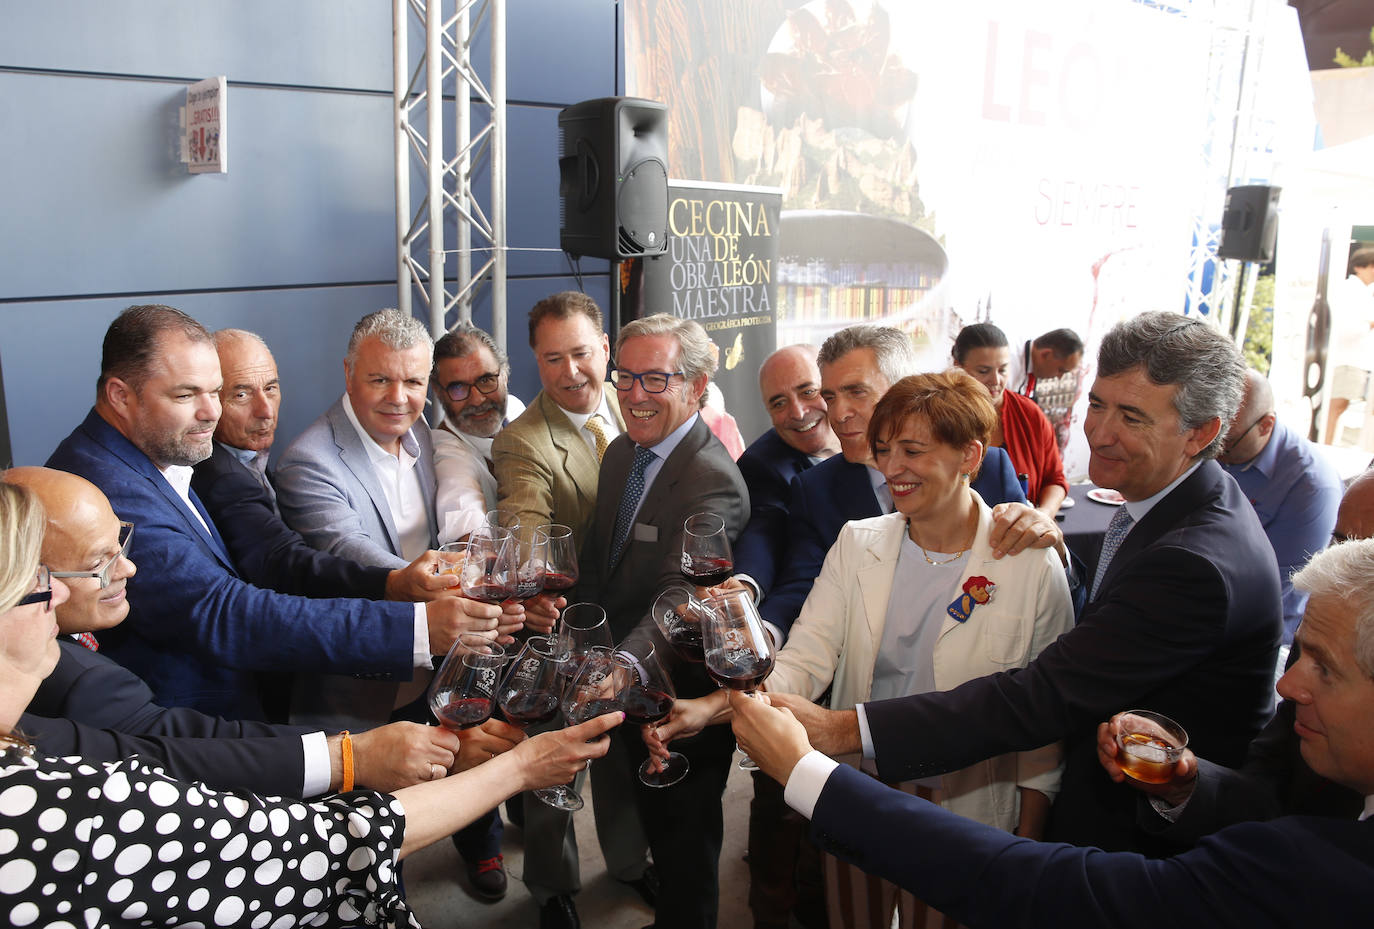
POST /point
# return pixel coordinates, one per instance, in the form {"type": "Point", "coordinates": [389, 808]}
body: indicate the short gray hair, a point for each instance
{"type": "Point", "coordinates": [462, 340]}
{"type": "Point", "coordinates": [891, 347]}
{"type": "Point", "coordinates": [394, 329]}
{"type": "Point", "coordinates": [1203, 365]}
{"type": "Point", "coordinates": [694, 355]}
{"type": "Point", "coordinates": [221, 336]}
{"type": "Point", "coordinates": [1345, 572]}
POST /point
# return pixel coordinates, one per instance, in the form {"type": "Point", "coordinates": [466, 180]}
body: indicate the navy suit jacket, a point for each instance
{"type": "Point", "coordinates": [1187, 623]}
{"type": "Point", "coordinates": [1295, 871]}
{"type": "Point", "coordinates": [92, 707]}
{"type": "Point", "coordinates": [196, 630]}
{"type": "Point", "coordinates": [769, 464]}
{"type": "Point", "coordinates": [267, 552]}
{"type": "Point", "coordinates": [831, 494]}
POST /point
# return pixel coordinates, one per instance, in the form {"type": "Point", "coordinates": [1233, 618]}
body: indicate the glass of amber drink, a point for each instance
{"type": "Point", "coordinates": [1149, 745]}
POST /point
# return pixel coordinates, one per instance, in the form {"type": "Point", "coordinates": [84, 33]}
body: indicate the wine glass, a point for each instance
{"type": "Point", "coordinates": [489, 574]}
{"type": "Point", "coordinates": [464, 688]}
{"type": "Point", "coordinates": [706, 557]}
{"type": "Point", "coordinates": [581, 628]}
{"type": "Point", "coordinates": [452, 557]}
{"type": "Point", "coordinates": [496, 520]}
{"type": "Point", "coordinates": [561, 572]}
{"type": "Point", "coordinates": [531, 562]}
{"type": "Point", "coordinates": [646, 695]}
{"type": "Point", "coordinates": [739, 653]}
{"type": "Point", "coordinates": [529, 693]}
{"type": "Point", "coordinates": [590, 693]}
{"type": "Point", "coordinates": [678, 614]}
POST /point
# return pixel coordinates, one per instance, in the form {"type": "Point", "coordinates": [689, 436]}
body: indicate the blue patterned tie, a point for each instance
{"type": "Point", "coordinates": [629, 501]}
{"type": "Point", "coordinates": [1116, 531]}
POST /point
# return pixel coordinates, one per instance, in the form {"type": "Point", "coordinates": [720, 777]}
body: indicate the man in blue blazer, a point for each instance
{"type": "Point", "coordinates": [857, 366]}
{"type": "Point", "coordinates": [790, 385]}
{"type": "Point", "coordinates": [1184, 617]}
{"type": "Point", "coordinates": [91, 706]}
{"type": "Point", "coordinates": [197, 630]}
{"type": "Point", "coordinates": [1291, 871]}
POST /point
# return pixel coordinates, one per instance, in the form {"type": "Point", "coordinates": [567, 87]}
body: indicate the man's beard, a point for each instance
{"type": "Point", "coordinates": [178, 448]}
{"type": "Point", "coordinates": [484, 419]}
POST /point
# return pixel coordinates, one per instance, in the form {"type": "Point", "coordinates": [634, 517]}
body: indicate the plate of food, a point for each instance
{"type": "Point", "coordinates": [1103, 495]}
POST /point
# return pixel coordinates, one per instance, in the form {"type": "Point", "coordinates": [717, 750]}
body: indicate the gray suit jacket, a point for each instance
{"type": "Point", "coordinates": [545, 470]}
{"type": "Point", "coordinates": [328, 490]}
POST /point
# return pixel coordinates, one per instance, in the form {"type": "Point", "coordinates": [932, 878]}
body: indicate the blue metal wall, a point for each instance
{"type": "Point", "coordinates": [297, 241]}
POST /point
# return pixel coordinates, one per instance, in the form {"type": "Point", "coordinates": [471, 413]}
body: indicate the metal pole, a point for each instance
{"type": "Point", "coordinates": [400, 63]}
{"type": "Point", "coordinates": [498, 171]}
{"type": "Point", "coordinates": [434, 103]}
{"type": "Point", "coordinates": [462, 188]}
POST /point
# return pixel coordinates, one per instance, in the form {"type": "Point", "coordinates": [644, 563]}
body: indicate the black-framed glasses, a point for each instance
{"type": "Point", "coordinates": [486, 384]}
{"type": "Point", "coordinates": [102, 573]}
{"type": "Point", "coordinates": [1232, 443]}
{"type": "Point", "coordinates": [653, 382]}
{"type": "Point", "coordinates": [43, 593]}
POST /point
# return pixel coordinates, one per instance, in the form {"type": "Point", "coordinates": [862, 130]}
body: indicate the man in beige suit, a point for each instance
{"type": "Point", "coordinates": [547, 460]}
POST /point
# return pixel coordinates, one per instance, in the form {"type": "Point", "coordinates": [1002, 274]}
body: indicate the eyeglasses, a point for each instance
{"type": "Point", "coordinates": [102, 573]}
{"type": "Point", "coordinates": [653, 382]}
{"type": "Point", "coordinates": [1232, 443]}
{"type": "Point", "coordinates": [43, 593]}
{"type": "Point", "coordinates": [486, 384]}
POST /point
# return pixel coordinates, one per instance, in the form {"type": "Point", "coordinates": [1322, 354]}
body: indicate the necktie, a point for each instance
{"type": "Point", "coordinates": [598, 431]}
{"type": "Point", "coordinates": [86, 639]}
{"type": "Point", "coordinates": [259, 469]}
{"type": "Point", "coordinates": [1116, 531]}
{"type": "Point", "coordinates": [629, 501]}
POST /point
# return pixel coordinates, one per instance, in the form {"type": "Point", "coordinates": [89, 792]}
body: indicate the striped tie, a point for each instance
{"type": "Point", "coordinates": [86, 639]}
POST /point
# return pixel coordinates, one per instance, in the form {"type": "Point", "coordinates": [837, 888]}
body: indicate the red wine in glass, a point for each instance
{"type": "Point", "coordinates": [644, 707]}
{"type": "Point", "coordinates": [463, 712]}
{"type": "Point", "coordinates": [560, 573]}
{"type": "Point", "coordinates": [706, 557]}
{"type": "Point", "coordinates": [738, 669]}
{"type": "Point", "coordinates": [490, 573]}
{"type": "Point", "coordinates": [678, 614]}
{"type": "Point", "coordinates": [557, 582]}
{"type": "Point", "coordinates": [529, 708]}
{"type": "Point", "coordinates": [707, 572]}
{"type": "Point", "coordinates": [489, 593]}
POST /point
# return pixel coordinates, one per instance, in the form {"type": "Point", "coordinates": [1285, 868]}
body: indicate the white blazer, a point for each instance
{"type": "Point", "coordinates": [840, 628]}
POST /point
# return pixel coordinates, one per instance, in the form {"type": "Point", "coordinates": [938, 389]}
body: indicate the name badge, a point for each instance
{"type": "Point", "coordinates": [645, 533]}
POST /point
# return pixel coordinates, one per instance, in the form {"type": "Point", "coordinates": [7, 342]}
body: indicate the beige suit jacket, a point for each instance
{"type": "Point", "coordinates": [545, 471]}
{"type": "Point", "coordinates": [840, 629]}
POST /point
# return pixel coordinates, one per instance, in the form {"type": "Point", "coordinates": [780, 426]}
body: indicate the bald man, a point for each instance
{"type": "Point", "coordinates": [790, 386]}
{"type": "Point", "coordinates": [87, 545]}
{"type": "Point", "coordinates": [1294, 490]}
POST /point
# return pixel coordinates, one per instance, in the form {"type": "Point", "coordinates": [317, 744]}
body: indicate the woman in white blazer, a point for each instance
{"type": "Point", "coordinates": [914, 601]}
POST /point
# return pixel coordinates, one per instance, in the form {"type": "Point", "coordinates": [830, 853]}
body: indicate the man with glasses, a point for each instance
{"type": "Point", "coordinates": [1295, 490]}
{"type": "Point", "coordinates": [93, 707]}
{"type": "Point", "coordinates": [665, 467]}
{"type": "Point", "coordinates": [470, 376]}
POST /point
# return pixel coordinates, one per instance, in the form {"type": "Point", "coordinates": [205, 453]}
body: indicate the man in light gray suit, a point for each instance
{"type": "Point", "coordinates": [359, 483]}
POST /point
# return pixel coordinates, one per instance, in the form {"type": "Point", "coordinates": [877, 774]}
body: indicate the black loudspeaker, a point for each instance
{"type": "Point", "coordinates": [1249, 223]}
{"type": "Point", "coordinates": [613, 178]}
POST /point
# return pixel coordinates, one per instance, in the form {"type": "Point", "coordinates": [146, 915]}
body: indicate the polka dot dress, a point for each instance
{"type": "Point", "coordinates": [86, 845]}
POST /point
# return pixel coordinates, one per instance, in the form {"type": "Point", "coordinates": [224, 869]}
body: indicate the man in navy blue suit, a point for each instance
{"type": "Point", "coordinates": [1290, 871]}
{"type": "Point", "coordinates": [86, 544]}
{"type": "Point", "coordinates": [790, 385]}
{"type": "Point", "coordinates": [857, 366]}
{"type": "Point", "coordinates": [197, 630]}
{"type": "Point", "coordinates": [1184, 616]}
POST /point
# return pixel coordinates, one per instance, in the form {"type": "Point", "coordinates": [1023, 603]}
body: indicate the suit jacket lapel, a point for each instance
{"type": "Point", "coordinates": [579, 461]}
{"type": "Point", "coordinates": [354, 456]}
{"type": "Point", "coordinates": [1162, 517]}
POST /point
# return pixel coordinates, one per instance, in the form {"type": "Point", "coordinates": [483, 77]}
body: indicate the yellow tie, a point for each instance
{"type": "Point", "coordinates": [599, 434]}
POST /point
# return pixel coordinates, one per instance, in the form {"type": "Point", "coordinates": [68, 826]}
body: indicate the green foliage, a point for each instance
{"type": "Point", "coordinates": [1345, 61]}
{"type": "Point", "coordinates": [1259, 333]}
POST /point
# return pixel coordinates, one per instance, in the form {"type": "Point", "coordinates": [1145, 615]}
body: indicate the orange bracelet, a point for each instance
{"type": "Point", "coordinates": [346, 747]}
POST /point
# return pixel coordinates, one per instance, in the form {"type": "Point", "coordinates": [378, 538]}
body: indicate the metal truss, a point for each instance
{"type": "Point", "coordinates": [449, 199]}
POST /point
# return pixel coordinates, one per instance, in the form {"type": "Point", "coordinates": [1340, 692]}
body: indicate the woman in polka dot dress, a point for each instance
{"type": "Point", "coordinates": [121, 844]}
